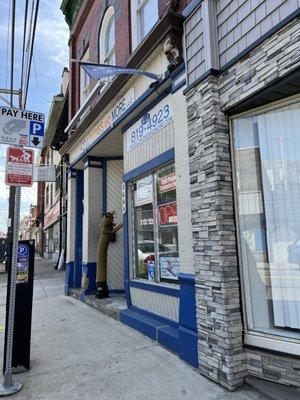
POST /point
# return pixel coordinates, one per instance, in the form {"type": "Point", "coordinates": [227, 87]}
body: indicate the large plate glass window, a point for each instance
{"type": "Point", "coordinates": [267, 169]}
{"type": "Point", "coordinates": [156, 254]}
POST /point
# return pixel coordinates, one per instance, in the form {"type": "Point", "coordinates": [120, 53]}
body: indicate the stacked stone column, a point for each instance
{"type": "Point", "coordinates": [220, 346]}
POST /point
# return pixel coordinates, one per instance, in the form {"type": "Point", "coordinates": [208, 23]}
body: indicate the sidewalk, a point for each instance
{"type": "Point", "coordinates": [80, 353]}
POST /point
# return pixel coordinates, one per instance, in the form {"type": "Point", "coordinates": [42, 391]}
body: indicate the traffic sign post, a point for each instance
{"type": "Point", "coordinates": [22, 127]}
{"type": "Point", "coordinates": [9, 386]}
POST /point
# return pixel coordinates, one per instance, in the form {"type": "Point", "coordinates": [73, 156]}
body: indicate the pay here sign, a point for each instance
{"type": "Point", "coordinates": [19, 166]}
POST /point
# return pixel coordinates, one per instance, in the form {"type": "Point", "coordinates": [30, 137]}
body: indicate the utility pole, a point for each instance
{"type": "Point", "coordinates": [9, 386]}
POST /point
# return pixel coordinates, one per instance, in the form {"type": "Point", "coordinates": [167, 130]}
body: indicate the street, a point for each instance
{"type": "Point", "coordinates": [80, 353]}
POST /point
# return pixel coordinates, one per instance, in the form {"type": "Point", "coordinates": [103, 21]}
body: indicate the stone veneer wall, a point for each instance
{"type": "Point", "coordinates": [280, 369]}
{"type": "Point", "coordinates": [221, 353]}
{"type": "Point", "coordinates": [220, 345]}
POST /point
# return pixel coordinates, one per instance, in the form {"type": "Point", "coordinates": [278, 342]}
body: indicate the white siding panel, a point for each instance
{"type": "Point", "coordinates": [114, 203]}
{"type": "Point", "coordinates": [185, 237]}
{"type": "Point", "coordinates": [151, 148]}
{"type": "Point", "coordinates": [157, 303]}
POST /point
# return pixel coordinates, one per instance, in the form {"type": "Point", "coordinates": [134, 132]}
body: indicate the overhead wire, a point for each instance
{"type": "Point", "coordinates": [7, 44]}
{"type": "Point", "coordinates": [24, 42]}
{"type": "Point", "coordinates": [27, 46]}
{"type": "Point", "coordinates": [31, 52]}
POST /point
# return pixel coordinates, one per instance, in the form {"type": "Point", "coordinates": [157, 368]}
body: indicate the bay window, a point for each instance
{"type": "Point", "coordinates": [155, 249]}
{"type": "Point", "coordinates": [267, 180]}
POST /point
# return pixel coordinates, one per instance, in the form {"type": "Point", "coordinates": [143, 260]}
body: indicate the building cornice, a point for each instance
{"type": "Point", "coordinates": [70, 9]}
{"type": "Point", "coordinates": [171, 22]}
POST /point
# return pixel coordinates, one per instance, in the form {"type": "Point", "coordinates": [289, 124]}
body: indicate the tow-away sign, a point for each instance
{"type": "Point", "coordinates": [22, 127]}
{"type": "Point", "coordinates": [19, 166]}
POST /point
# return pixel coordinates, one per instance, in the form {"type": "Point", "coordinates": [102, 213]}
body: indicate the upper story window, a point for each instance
{"type": "Point", "coordinates": [144, 17]}
{"type": "Point", "coordinates": [84, 80]}
{"type": "Point", "coordinates": [107, 38]}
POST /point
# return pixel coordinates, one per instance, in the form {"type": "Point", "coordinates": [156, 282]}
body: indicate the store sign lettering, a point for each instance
{"type": "Point", "coordinates": [167, 183]}
{"type": "Point", "coordinates": [167, 214]}
{"type": "Point", "coordinates": [105, 123]}
{"type": "Point", "coordinates": [152, 122]}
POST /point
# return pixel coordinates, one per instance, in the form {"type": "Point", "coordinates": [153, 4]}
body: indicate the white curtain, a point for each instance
{"type": "Point", "coordinates": [279, 145]}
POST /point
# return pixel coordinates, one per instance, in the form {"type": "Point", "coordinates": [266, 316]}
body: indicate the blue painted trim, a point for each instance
{"type": "Point", "coordinates": [178, 71]}
{"type": "Point", "coordinates": [89, 269]}
{"type": "Point", "coordinates": [150, 165]}
{"type": "Point", "coordinates": [188, 346]}
{"type": "Point", "coordinates": [126, 251]}
{"type": "Point", "coordinates": [168, 337]}
{"type": "Point", "coordinates": [163, 320]}
{"type": "Point", "coordinates": [187, 301]}
{"type": "Point", "coordinates": [151, 287]}
{"type": "Point", "coordinates": [190, 8]}
{"type": "Point", "coordinates": [78, 229]}
{"type": "Point", "coordinates": [179, 86]}
{"type": "Point", "coordinates": [188, 336]}
{"type": "Point", "coordinates": [69, 277]}
{"type": "Point", "coordinates": [149, 107]}
{"type": "Point", "coordinates": [104, 186]}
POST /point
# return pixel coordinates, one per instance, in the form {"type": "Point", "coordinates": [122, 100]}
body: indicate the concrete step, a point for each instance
{"type": "Point", "coordinates": [274, 391]}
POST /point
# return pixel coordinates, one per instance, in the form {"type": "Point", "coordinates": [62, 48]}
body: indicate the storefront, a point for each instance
{"type": "Point", "coordinates": [267, 192]}
{"type": "Point", "coordinates": [51, 233]}
{"type": "Point", "coordinates": [133, 161]}
{"type": "Point", "coordinates": [159, 272]}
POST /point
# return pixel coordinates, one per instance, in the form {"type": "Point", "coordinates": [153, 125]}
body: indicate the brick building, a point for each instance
{"type": "Point", "coordinates": [201, 167]}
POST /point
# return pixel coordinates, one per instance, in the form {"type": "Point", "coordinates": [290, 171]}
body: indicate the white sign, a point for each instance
{"type": "Point", "coordinates": [143, 193]}
{"type": "Point", "coordinates": [22, 127]}
{"type": "Point", "coordinates": [152, 122]}
{"type": "Point", "coordinates": [19, 166]}
{"type": "Point", "coordinates": [169, 267]}
{"type": "Point", "coordinates": [105, 123]}
{"type": "Point", "coordinates": [45, 173]}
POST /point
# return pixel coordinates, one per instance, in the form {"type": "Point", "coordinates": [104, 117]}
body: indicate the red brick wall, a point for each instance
{"type": "Point", "coordinates": [86, 29]}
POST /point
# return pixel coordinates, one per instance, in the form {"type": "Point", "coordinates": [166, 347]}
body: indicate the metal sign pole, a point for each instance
{"type": "Point", "coordinates": [9, 387]}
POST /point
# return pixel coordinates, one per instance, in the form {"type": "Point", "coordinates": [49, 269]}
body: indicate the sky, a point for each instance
{"type": "Point", "coordinates": [50, 57]}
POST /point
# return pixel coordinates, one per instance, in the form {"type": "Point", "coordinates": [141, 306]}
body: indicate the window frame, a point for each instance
{"type": "Point", "coordinates": [262, 340]}
{"type": "Point", "coordinates": [132, 243]}
{"type": "Point", "coordinates": [136, 34]}
{"type": "Point", "coordinates": [83, 75]}
{"type": "Point", "coordinates": [105, 25]}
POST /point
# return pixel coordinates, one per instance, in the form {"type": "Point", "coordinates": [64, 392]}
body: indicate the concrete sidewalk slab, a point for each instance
{"type": "Point", "coordinates": [79, 353]}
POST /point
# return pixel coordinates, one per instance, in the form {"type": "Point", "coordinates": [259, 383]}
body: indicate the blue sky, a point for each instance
{"type": "Point", "coordinates": [50, 56]}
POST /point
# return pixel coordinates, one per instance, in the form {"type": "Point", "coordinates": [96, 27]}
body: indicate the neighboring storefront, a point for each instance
{"type": "Point", "coordinates": [243, 117]}
{"type": "Point", "coordinates": [51, 232]}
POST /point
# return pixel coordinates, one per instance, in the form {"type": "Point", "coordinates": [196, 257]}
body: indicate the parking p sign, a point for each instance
{"type": "Point", "coordinates": [22, 127]}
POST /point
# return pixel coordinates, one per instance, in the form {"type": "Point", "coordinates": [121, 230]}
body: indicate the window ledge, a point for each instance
{"type": "Point", "coordinates": [168, 289]}
{"type": "Point", "coordinates": [265, 342]}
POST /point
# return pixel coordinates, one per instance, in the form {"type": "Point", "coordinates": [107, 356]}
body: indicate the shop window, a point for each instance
{"type": "Point", "coordinates": [144, 17]}
{"type": "Point", "coordinates": [267, 175]}
{"type": "Point", "coordinates": [84, 80]}
{"type": "Point", "coordinates": [58, 177]}
{"type": "Point", "coordinates": [47, 196]}
{"type": "Point", "coordinates": [107, 38]}
{"type": "Point", "coordinates": [156, 255]}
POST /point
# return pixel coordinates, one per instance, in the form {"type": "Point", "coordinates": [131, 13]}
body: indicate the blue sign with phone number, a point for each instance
{"type": "Point", "coordinates": [148, 125]}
